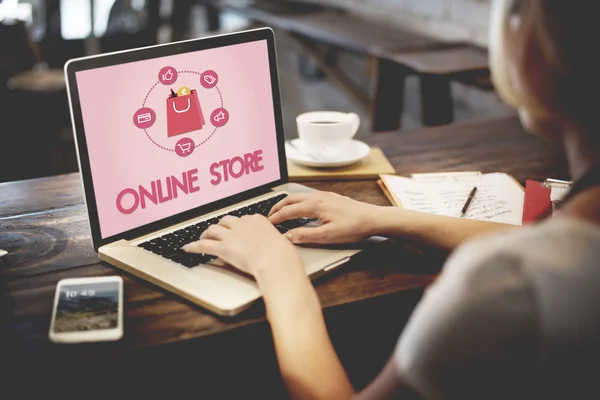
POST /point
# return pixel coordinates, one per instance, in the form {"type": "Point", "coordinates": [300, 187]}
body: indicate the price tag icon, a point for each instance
{"type": "Point", "coordinates": [209, 79]}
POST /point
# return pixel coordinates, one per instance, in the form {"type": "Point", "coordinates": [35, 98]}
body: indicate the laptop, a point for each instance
{"type": "Point", "coordinates": [169, 139]}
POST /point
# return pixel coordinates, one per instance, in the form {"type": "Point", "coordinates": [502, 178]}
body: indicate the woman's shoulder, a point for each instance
{"type": "Point", "coordinates": [497, 309]}
{"type": "Point", "coordinates": [552, 261]}
{"type": "Point", "coordinates": [556, 243]}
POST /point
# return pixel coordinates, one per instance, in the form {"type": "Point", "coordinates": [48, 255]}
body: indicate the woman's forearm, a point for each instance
{"type": "Point", "coordinates": [435, 230]}
{"type": "Point", "coordinates": [308, 362]}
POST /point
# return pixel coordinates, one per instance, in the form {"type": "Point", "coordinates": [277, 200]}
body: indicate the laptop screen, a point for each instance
{"type": "Point", "coordinates": [170, 134]}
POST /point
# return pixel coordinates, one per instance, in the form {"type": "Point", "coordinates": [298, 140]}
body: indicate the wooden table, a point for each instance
{"type": "Point", "coordinates": [44, 227]}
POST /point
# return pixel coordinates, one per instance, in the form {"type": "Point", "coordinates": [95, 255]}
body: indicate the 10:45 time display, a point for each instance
{"type": "Point", "coordinates": [74, 293]}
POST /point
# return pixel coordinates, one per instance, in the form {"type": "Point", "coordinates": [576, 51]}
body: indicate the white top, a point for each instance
{"type": "Point", "coordinates": [514, 315]}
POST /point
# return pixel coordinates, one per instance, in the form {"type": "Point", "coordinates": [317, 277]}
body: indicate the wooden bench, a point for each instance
{"type": "Point", "coordinates": [436, 70]}
{"type": "Point", "coordinates": [322, 31]}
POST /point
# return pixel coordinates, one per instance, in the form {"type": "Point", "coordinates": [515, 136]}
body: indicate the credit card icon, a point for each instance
{"type": "Point", "coordinates": [147, 117]}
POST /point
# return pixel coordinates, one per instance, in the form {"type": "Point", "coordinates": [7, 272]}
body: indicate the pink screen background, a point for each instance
{"type": "Point", "coordinates": [121, 155]}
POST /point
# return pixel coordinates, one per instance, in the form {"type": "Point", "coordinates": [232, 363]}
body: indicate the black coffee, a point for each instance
{"type": "Point", "coordinates": [323, 122]}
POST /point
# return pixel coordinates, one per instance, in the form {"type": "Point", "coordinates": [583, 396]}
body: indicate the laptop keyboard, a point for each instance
{"type": "Point", "coordinates": [169, 245]}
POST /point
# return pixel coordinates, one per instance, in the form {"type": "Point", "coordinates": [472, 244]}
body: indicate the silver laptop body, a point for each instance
{"type": "Point", "coordinates": [173, 135]}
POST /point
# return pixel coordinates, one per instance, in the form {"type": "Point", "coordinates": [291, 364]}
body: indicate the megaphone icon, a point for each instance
{"type": "Point", "coordinates": [219, 117]}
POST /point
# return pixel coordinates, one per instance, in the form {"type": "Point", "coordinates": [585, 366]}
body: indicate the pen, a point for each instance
{"type": "Point", "coordinates": [549, 182]}
{"type": "Point", "coordinates": [469, 200]}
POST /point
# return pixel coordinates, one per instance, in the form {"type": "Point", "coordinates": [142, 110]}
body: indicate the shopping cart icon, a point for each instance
{"type": "Point", "coordinates": [185, 147]}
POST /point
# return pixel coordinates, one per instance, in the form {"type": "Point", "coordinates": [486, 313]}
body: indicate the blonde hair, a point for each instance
{"type": "Point", "coordinates": [498, 49]}
{"type": "Point", "coordinates": [540, 58]}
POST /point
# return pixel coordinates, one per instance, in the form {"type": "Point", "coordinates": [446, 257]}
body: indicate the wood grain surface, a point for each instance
{"type": "Point", "coordinates": [457, 59]}
{"type": "Point", "coordinates": [369, 168]}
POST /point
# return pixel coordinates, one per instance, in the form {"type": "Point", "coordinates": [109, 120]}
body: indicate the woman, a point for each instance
{"type": "Point", "coordinates": [514, 314]}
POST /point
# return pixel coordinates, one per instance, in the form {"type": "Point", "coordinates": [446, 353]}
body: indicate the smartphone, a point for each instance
{"type": "Point", "coordinates": [87, 310]}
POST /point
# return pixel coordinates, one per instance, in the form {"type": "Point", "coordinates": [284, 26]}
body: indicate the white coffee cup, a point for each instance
{"type": "Point", "coordinates": [327, 132]}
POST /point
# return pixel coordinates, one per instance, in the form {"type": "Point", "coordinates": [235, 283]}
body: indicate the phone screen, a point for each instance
{"type": "Point", "coordinates": [87, 307]}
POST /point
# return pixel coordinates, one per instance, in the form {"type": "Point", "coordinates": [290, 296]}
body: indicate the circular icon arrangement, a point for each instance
{"type": "Point", "coordinates": [209, 79]}
{"type": "Point", "coordinates": [219, 117]}
{"type": "Point", "coordinates": [184, 147]}
{"type": "Point", "coordinates": [167, 75]}
{"type": "Point", "coordinates": [184, 114]}
{"type": "Point", "coordinates": [144, 118]}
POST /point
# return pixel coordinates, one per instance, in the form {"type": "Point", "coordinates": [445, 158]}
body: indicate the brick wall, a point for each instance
{"type": "Point", "coordinates": [443, 19]}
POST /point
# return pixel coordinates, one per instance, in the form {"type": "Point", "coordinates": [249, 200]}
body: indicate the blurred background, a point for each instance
{"type": "Point", "coordinates": [37, 37]}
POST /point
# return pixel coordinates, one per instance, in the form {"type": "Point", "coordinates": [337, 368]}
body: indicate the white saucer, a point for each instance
{"type": "Point", "coordinates": [299, 153]}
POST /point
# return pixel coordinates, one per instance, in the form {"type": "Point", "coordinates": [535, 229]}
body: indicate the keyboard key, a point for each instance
{"type": "Point", "coordinates": [263, 211]}
{"type": "Point", "coordinates": [170, 253]}
{"type": "Point", "coordinates": [291, 224]}
{"type": "Point", "coordinates": [236, 213]}
{"type": "Point", "coordinates": [186, 261]}
{"type": "Point", "coordinates": [145, 245]}
{"type": "Point", "coordinates": [169, 245]}
{"type": "Point", "coordinates": [281, 228]}
{"type": "Point", "coordinates": [201, 227]}
{"type": "Point", "coordinates": [169, 237]}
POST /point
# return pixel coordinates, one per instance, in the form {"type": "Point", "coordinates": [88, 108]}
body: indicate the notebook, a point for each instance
{"type": "Point", "coordinates": [371, 167]}
{"type": "Point", "coordinates": [499, 197]}
{"type": "Point", "coordinates": [540, 197]}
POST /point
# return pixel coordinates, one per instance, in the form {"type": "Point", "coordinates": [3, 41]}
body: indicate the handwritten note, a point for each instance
{"type": "Point", "coordinates": [499, 198]}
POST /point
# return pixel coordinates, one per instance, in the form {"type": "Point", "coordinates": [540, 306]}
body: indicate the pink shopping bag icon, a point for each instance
{"type": "Point", "coordinates": [184, 114]}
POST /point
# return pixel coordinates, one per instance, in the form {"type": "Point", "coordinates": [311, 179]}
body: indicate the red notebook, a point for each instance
{"type": "Point", "coordinates": [537, 201]}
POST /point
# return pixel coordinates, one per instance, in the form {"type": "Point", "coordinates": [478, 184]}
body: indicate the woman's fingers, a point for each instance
{"type": "Point", "coordinates": [290, 199]}
{"type": "Point", "coordinates": [228, 221]}
{"type": "Point", "coordinates": [215, 232]}
{"type": "Point", "coordinates": [319, 235]}
{"type": "Point", "coordinates": [206, 246]}
{"type": "Point", "coordinates": [297, 210]}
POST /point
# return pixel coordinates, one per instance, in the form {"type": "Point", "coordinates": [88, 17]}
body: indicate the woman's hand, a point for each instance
{"type": "Point", "coordinates": [250, 243]}
{"type": "Point", "coordinates": [344, 220]}
{"type": "Point", "coordinates": [303, 348]}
